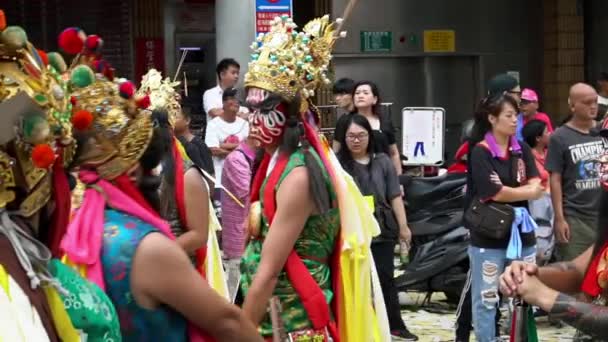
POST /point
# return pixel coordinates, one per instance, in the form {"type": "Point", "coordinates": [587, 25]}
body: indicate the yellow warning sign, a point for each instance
{"type": "Point", "coordinates": [440, 41]}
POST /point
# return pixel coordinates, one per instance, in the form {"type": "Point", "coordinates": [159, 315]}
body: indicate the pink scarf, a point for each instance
{"type": "Point", "coordinates": [83, 240]}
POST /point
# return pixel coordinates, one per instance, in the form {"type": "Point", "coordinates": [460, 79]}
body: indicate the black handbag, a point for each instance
{"type": "Point", "coordinates": [492, 220]}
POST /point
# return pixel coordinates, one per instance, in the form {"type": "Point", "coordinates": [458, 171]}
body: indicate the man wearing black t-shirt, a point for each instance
{"type": "Point", "coordinates": [572, 160]}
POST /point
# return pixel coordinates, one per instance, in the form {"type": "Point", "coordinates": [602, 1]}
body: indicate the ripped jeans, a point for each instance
{"type": "Point", "coordinates": [486, 267]}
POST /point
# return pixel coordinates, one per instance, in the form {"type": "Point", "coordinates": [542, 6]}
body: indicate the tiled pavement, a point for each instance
{"type": "Point", "coordinates": [435, 322]}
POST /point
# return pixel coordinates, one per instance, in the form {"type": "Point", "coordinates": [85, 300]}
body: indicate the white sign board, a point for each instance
{"type": "Point", "coordinates": [423, 132]}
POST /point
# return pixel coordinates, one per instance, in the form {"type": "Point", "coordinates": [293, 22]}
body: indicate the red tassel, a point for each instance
{"type": "Point", "coordinates": [126, 90]}
{"type": "Point", "coordinates": [71, 40]}
{"type": "Point", "coordinates": [61, 215]}
{"type": "Point", "coordinates": [93, 43]}
{"type": "Point", "coordinates": [82, 120]}
{"type": "Point", "coordinates": [143, 102]}
{"type": "Point", "coordinates": [43, 156]}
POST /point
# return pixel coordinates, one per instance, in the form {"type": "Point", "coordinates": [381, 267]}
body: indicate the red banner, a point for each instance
{"type": "Point", "coordinates": [149, 54]}
{"type": "Point", "coordinates": [263, 20]}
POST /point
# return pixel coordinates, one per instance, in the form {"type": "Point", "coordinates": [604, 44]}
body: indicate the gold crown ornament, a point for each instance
{"type": "Point", "coordinates": [287, 62]}
{"type": "Point", "coordinates": [119, 129]}
{"type": "Point", "coordinates": [35, 122]}
{"type": "Point", "coordinates": [162, 93]}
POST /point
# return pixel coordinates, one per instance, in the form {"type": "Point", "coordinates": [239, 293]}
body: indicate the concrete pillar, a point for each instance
{"type": "Point", "coordinates": [235, 30]}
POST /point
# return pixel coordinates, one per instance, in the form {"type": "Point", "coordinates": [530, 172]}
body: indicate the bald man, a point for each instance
{"type": "Point", "coordinates": [572, 162]}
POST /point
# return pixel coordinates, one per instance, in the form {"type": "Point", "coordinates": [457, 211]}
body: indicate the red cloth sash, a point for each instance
{"type": "Point", "coordinates": [308, 289]}
{"type": "Point", "coordinates": [61, 215]}
{"type": "Point", "coordinates": [590, 284]}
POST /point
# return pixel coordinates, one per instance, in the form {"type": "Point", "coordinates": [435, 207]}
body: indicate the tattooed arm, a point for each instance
{"type": "Point", "coordinates": [563, 277]}
{"type": "Point", "coordinates": [588, 318]}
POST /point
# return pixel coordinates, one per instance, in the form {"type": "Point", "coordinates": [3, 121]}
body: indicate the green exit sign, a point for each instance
{"type": "Point", "coordinates": [376, 41]}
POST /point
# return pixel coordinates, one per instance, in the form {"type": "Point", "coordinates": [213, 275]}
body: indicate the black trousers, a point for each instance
{"type": "Point", "coordinates": [384, 257]}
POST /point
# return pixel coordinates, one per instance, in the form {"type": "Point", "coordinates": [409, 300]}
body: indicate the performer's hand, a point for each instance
{"type": "Point", "coordinates": [514, 275]}
{"type": "Point", "coordinates": [534, 292]}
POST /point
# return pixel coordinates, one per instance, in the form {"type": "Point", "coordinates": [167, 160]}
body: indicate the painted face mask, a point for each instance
{"type": "Point", "coordinates": [267, 122]}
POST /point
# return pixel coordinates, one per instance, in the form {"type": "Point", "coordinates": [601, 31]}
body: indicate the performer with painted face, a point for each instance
{"type": "Point", "coordinates": [307, 217]}
{"type": "Point", "coordinates": [117, 237]}
{"type": "Point", "coordinates": [40, 298]}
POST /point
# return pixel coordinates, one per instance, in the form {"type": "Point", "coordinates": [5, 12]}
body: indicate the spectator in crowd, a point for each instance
{"type": "Point", "coordinates": [225, 133]}
{"type": "Point", "coordinates": [227, 71]}
{"type": "Point", "coordinates": [375, 176]}
{"type": "Point", "coordinates": [536, 135]}
{"type": "Point", "coordinates": [602, 99]}
{"type": "Point", "coordinates": [367, 103]}
{"type": "Point", "coordinates": [499, 84]}
{"type": "Point", "coordinates": [529, 111]}
{"type": "Point", "coordinates": [501, 171]}
{"type": "Point", "coordinates": [343, 95]}
{"type": "Point", "coordinates": [195, 147]}
{"type": "Point", "coordinates": [236, 178]}
{"type": "Point", "coordinates": [572, 161]}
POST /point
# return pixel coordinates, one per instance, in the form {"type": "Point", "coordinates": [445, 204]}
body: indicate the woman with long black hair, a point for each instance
{"type": "Point", "coordinates": [376, 178]}
{"type": "Point", "coordinates": [553, 287]}
{"type": "Point", "coordinates": [502, 171]}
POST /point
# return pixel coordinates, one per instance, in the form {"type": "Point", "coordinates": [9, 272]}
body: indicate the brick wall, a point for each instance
{"type": "Point", "coordinates": [563, 58]}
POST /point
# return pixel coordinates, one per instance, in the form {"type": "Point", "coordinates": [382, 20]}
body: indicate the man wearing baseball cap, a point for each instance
{"type": "Point", "coordinates": [529, 111]}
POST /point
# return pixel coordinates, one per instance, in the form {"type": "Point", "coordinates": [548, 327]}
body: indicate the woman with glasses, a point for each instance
{"type": "Point", "coordinates": [375, 176]}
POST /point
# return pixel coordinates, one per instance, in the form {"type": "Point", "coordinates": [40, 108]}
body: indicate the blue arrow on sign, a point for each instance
{"type": "Point", "coordinates": [419, 148]}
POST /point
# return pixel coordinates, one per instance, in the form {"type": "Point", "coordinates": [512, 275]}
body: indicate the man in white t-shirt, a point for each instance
{"type": "Point", "coordinates": [225, 133]}
{"type": "Point", "coordinates": [228, 75]}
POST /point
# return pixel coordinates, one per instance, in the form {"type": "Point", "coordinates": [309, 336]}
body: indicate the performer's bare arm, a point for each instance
{"type": "Point", "coordinates": [294, 205]}
{"type": "Point", "coordinates": [563, 277]}
{"type": "Point", "coordinates": [163, 274]}
{"type": "Point", "coordinates": [197, 212]}
{"type": "Point", "coordinates": [545, 288]}
{"type": "Point", "coordinates": [590, 319]}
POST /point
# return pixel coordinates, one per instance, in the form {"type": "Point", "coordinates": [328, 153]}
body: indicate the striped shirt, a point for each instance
{"type": "Point", "coordinates": [236, 178]}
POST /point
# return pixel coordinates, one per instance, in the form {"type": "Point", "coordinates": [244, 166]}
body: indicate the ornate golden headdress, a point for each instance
{"type": "Point", "coordinates": [288, 62]}
{"type": "Point", "coordinates": [35, 121]}
{"type": "Point", "coordinates": [120, 131]}
{"type": "Point", "coordinates": [161, 92]}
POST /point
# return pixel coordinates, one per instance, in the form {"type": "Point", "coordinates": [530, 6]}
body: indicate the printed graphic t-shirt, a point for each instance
{"type": "Point", "coordinates": [220, 132]}
{"type": "Point", "coordinates": [574, 155]}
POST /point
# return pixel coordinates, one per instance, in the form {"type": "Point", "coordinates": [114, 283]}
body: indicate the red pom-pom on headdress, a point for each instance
{"type": "Point", "coordinates": [73, 100]}
{"type": "Point", "coordinates": [71, 40]}
{"type": "Point", "coordinates": [126, 90]}
{"type": "Point", "coordinates": [82, 120]}
{"type": "Point", "coordinates": [43, 156]}
{"type": "Point", "coordinates": [44, 57]}
{"type": "Point", "coordinates": [93, 44]}
{"type": "Point", "coordinates": [143, 102]}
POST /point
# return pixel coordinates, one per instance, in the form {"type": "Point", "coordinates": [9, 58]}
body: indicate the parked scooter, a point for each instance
{"type": "Point", "coordinates": [439, 259]}
{"type": "Point", "coordinates": [438, 255]}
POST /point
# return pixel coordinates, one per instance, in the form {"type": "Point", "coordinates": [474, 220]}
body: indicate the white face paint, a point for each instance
{"type": "Point", "coordinates": [267, 122]}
